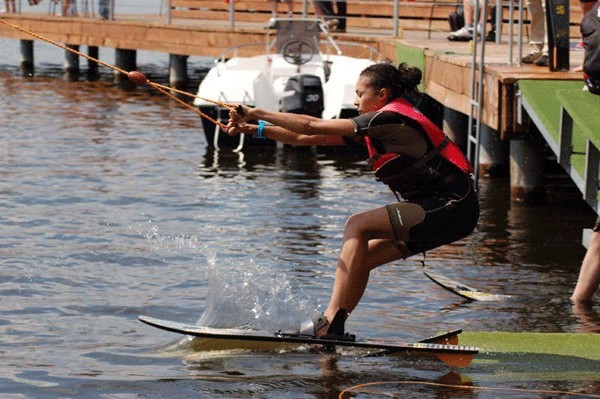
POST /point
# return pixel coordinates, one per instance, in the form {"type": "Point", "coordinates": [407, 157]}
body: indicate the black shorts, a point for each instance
{"type": "Point", "coordinates": [451, 213]}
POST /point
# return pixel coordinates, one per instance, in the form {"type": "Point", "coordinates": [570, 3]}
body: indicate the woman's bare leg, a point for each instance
{"type": "Point", "coordinates": [589, 275]}
{"type": "Point", "coordinates": [366, 245]}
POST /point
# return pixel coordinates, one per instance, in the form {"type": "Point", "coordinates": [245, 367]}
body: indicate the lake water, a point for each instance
{"type": "Point", "coordinates": [112, 206]}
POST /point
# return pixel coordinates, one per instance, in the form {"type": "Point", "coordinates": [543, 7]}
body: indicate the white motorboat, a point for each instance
{"type": "Point", "coordinates": [298, 73]}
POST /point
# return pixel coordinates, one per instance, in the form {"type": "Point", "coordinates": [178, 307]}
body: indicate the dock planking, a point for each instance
{"type": "Point", "coordinates": [191, 31]}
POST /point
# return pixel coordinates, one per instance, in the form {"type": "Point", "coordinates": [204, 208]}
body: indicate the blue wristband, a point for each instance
{"type": "Point", "coordinates": [259, 133]}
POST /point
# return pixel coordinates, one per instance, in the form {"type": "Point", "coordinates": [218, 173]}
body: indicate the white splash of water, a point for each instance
{"type": "Point", "coordinates": [252, 296]}
{"type": "Point", "coordinates": [169, 244]}
{"type": "Point", "coordinates": [241, 294]}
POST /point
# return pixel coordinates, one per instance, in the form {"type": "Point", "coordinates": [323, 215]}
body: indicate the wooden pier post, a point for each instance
{"type": "Point", "coordinates": [527, 182]}
{"type": "Point", "coordinates": [178, 77]}
{"type": "Point", "coordinates": [92, 72]}
{"type": "Point", "coordinates": [493, 153]}
{"type": "Point", "coordinates": [455, 125]}
{"type": "Point", "coordinates": [71, 65]}
{"type": "Point", "coordinates": [126, 60]}
{"type": "Point", "coordinates": [27, 65]}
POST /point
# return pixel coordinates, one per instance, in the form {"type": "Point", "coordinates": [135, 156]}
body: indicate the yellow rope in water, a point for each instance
{"type": "Point", "coordinates": [480, 388]}
{"type": "Point", "coordinates": [162, 88]}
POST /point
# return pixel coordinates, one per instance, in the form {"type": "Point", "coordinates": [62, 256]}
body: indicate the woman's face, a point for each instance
{"type": "Point", "coordinates": [368, 99]}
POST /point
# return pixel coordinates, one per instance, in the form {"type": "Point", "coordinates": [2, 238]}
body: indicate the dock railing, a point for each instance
{"type": "Point", "coordinates": [385, 17]}
{"type": "Point", "coordinates": [106, 9]}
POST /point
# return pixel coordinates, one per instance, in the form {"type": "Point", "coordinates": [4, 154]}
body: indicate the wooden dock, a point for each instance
{"type": "Point", "coordinates": [205, 28]}
{"type": "Point", "coordinates": [447, 65]}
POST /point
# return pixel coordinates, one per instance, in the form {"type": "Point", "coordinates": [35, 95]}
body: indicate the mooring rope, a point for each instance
{"type": "Point", "coordinates": [135, 76]}
{"type": "Point", "coordinates": [471, 387]}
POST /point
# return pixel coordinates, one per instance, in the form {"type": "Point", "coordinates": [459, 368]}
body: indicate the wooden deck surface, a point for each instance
{"type": "Point", "coordinates": [447, 65]}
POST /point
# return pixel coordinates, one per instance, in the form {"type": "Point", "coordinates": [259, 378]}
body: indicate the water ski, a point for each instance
{"type": "Point", "coordinates": [461, 289]}
{"type": "Point", "coordinates": [452, 355]}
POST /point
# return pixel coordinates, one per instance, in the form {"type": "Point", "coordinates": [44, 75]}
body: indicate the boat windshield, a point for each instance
{"type": "Point", "coordinates": [306, 31]}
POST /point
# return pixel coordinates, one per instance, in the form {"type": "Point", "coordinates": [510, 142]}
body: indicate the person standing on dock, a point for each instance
{"type": "Point", "coordinates": [10, 6]}
{"type": "Point", "coordinates": [104, 8]}
{"type": "Point", "coordinates": [589, 275]}
{"type": "Point", "coordinates": [466, 32]}
{"type": "Point", "coordinates": [538, 34]}
{"type": "Point", "coordinates": [67, 9]}
{"type": "Point", "coordinates": [590, 31]}
{"type": "Point", "coordinates": [335, 21]}
{"type": "Point", "coordinates": [275, 13]}
{"type": "Point", "coordinates": [425, 170]}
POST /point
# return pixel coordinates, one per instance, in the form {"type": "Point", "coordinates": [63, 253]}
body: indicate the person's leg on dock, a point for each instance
{"type": "Point", "coordinates": [104, 9]}
{"type": "Point", "coordinates": [324, 10]}
{"type": "Point", "coordinates": [10, 6]}
{"type": "Point", "coordinates": [274, 11]}
{"type": "Point", "coordinates": [589, 275]}
{"type": "Point", "coordinates": [538, 34]}
{"type": "Point", "coordinates": [341, 13]}
{"type": "Point", "coordinates": [66, 8]}
{"type": "Point", "coordinates": [290, 5]}
{"type": "Point", "coordinates": [466, 32]}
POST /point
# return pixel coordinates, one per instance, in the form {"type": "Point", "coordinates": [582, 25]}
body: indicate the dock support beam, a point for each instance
{"type": "Point", "coordinates": [126, 60]}
{"type": "Point", "coordinates": [178, 77]}
{"type": "Point", "coordinates": [92, 72]}
{"type": "Point", "coordinates": [71, 65]}
{"type": "Point", "coordinates": [455, 126]}
{"type": "Point", "coordinates": [527, 182]}
{"type": "Point", "coordinates": [27, 65]}
{"type": "Point", "coordinates": [493, 154]}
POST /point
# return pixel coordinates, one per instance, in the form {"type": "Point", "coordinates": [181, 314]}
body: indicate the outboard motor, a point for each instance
{"type": "Point", "coordinates": [307, 96]}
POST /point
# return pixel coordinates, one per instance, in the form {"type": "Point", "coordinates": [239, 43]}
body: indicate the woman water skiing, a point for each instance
{"type": "Point", "coordinates": [429, 175]}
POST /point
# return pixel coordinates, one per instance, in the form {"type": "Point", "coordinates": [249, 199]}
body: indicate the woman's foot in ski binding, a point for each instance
{"type": "Point", "coordinates": [336, 329]}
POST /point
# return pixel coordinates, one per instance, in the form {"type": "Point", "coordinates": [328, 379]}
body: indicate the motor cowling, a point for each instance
{"type": "Point", "coordinates": [306, 95]}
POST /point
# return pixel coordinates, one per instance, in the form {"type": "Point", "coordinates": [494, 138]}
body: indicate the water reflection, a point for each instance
{"type": "Point", "coordinates": [587, 318]}
{"type": "Point", "coordinates": [493, 238]}
{"type": "Point", "coordinates": [113, 206]}
{"type": "Point", "coordinates": [229, 164]}
{"type": "Point", "coordinates": [401, 385]}
{"type": "Point", "coordinates": [324, 376]}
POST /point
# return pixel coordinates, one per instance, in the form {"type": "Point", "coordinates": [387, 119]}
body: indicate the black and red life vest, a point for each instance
{"type": "Point", "coordinates": [386, 166]}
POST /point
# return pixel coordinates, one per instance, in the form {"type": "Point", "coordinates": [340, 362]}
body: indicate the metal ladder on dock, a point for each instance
{"type": "Point", "coordinates": [477, 65]}
{"type": "Point", "coordinates": [476, 90]}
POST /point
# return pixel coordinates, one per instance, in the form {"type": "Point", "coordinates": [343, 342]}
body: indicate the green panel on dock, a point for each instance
{"type": "Point", "coordinates": [414, 57]}
{"type": "Point", "coordinates": [514, 356]}
{"type": "Point", "coordinates": [543, 97]}
{"type": "Point", "coordinates": [584, 108]}
{"type": "Point", "coordinates": [585, 346]}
